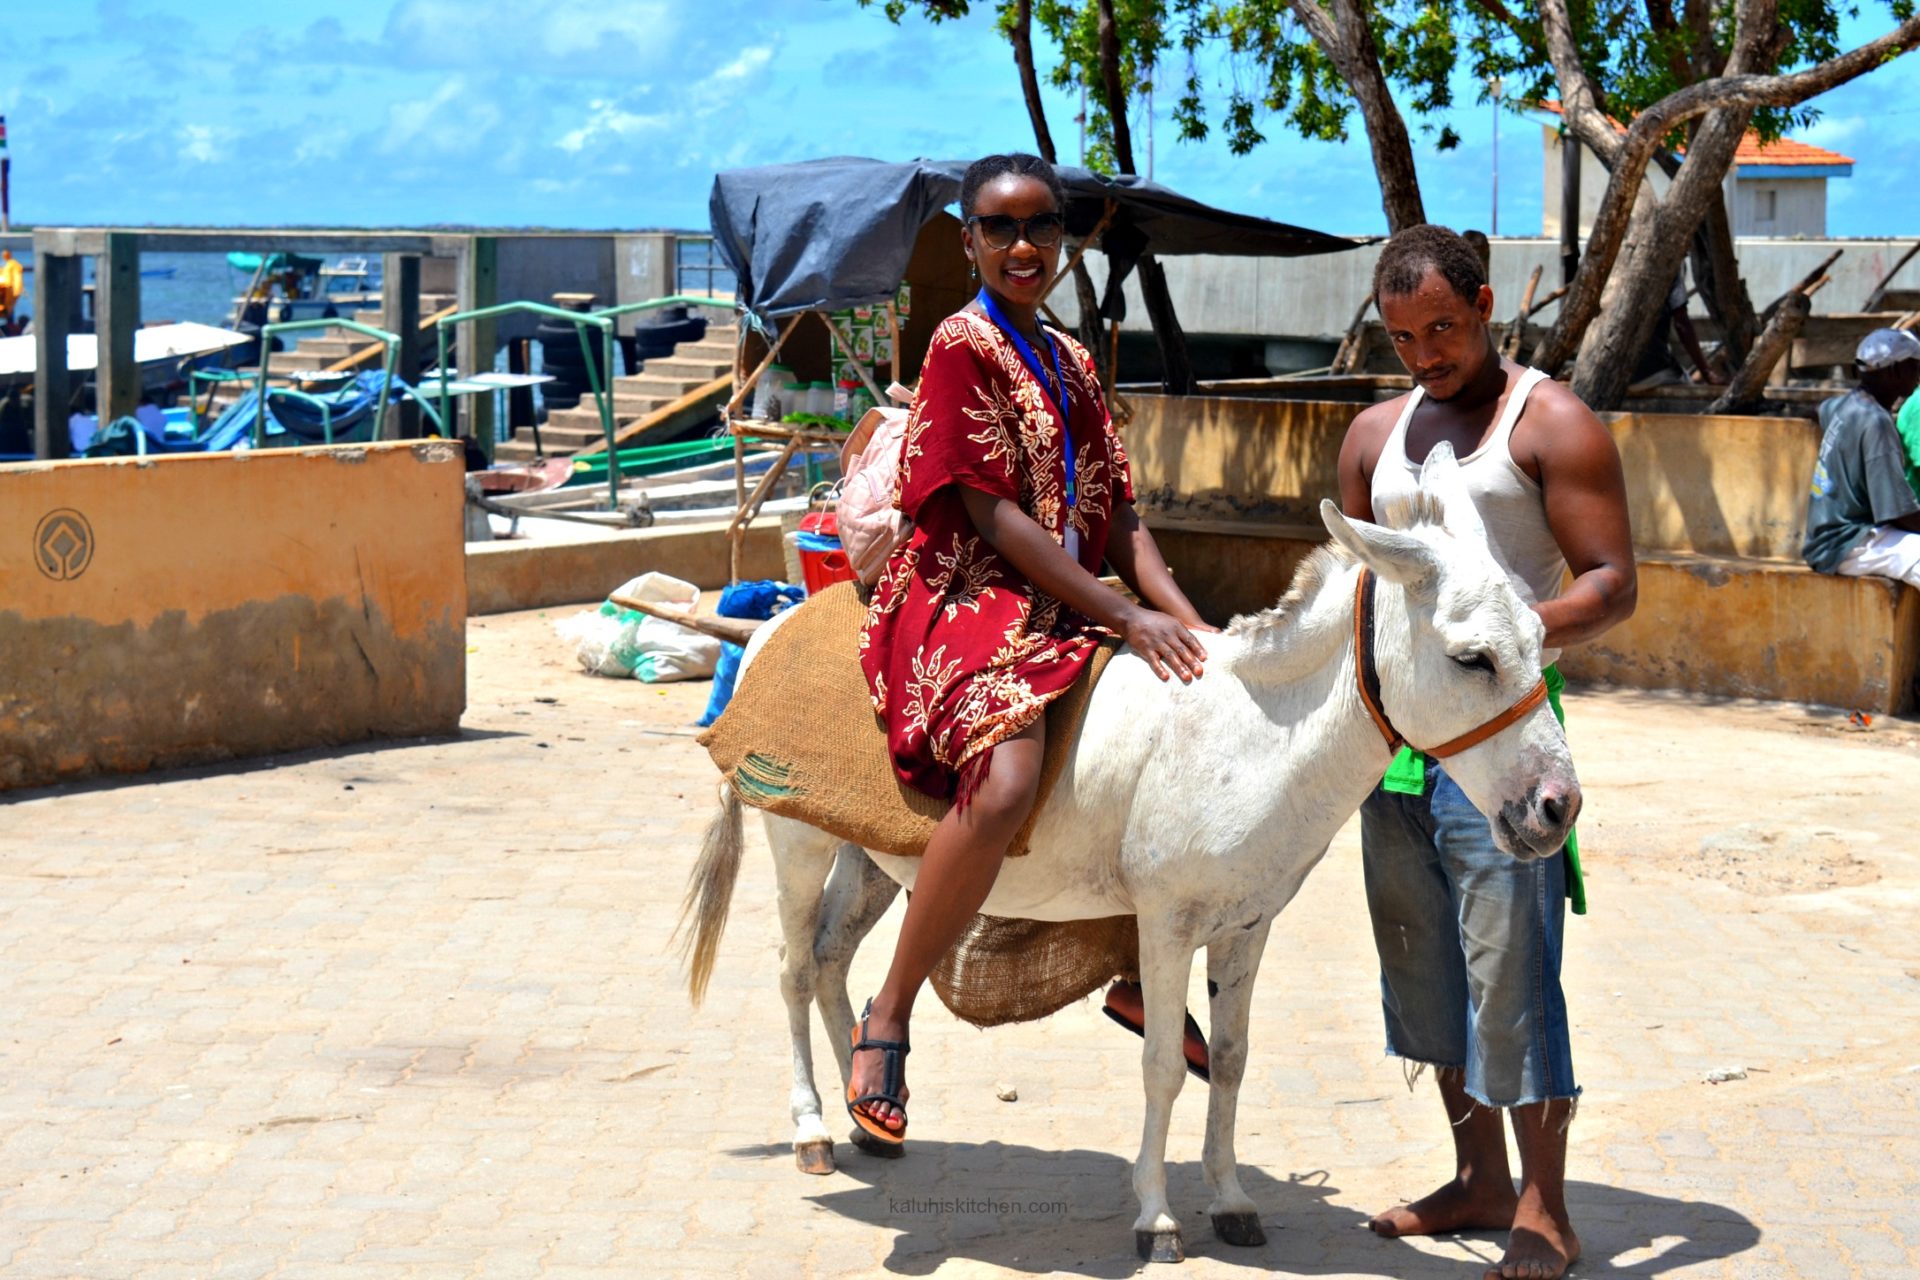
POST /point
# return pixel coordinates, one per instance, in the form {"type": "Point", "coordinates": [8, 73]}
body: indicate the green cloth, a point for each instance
{"type": "Point", "coordinates": [1407, 776]}
{"type": "Point", "coordinates": [1908, 425]}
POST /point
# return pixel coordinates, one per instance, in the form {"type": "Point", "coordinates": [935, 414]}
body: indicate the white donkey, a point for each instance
{"type": "Point", "coordinates": [1201, 808]}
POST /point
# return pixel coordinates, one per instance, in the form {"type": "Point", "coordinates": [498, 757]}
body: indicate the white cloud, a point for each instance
{"type": "Point", "coordinates": [199, 144]}
{"type": "Point", "coordinates": [455, 119]}
{"type": "Point", "coordinates": [749, 61]}
{"type": "Point", "coordinates": [1831, 131]}
{"type": "Point", "coordinates": [558, 36]}
{"type": "Point", "coordinates": [606, 119]}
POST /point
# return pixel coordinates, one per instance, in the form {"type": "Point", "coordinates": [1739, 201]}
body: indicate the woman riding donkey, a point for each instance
{"type": "Point", "coordinates": [1018, 488]}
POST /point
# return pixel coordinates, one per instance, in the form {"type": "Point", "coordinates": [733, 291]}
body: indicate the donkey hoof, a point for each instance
{"type": "Point", "coordinates": [1159, 1246]}
{"type": "Point", "coordinates": [1241, 1230]}
{"type": "Point", "coordinates": [874, 1147]}
{"type": "Point", "coordinates": [814, 1157]}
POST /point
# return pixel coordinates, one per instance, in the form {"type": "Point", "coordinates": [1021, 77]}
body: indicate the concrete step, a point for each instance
{"type": "Point", "coordinates": [706, 349]}
{"type": "Point", "coordinates": [291, 361]}
{"type": "Point", "coordinates": [650, 384]}
{"type": "Point", "coordinates": [678, 366]}
{"type": "Point", "coordinates": [514, 450]}
{"type": "Point", "coordinates": [626, 406]}
{"type": "Point", "coordinates": [566, 436]}
{"type": "Point", "coordinates": [582, 421]}
{"type": "Point", "coordinates": [333, 348]}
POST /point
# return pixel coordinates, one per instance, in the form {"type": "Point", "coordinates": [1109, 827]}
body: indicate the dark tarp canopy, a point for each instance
{"type": "Point", "coordinates": [828, 234]}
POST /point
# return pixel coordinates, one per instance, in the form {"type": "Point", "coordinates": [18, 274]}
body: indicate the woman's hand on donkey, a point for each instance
{"type": "Point", "coordinates": [1167, 645]}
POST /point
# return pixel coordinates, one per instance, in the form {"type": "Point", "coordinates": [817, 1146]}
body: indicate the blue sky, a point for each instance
{"type": "Point", "coordinates": [616, 113]}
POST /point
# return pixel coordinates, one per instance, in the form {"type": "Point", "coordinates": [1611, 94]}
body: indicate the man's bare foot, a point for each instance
{"type": "Point", "coordinates": [1457, 1206]}
{"type": "Point", "coordinates": [1541, 1247]}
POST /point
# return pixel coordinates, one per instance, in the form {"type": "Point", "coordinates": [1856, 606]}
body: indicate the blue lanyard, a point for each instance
{"type": "Point", "coordinates": [1032, 358]}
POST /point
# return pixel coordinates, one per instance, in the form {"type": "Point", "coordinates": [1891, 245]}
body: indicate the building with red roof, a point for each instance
{"type": "Point", "coordinates": [1774, 189]}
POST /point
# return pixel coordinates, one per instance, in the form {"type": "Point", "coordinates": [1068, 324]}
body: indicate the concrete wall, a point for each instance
{"type": "Point", "coordinates": [534, 268]}
{"type": "Point", "coordinates": [505, 576]}
{"type": "Point", "coordinates": [172, 610]}
{"type": "Point", "coordinates": [1779, 207]}
{"type": "Point", "coordinates": [1718, 507]}
{"type": "Point", "coordinates": [1759, 629]}
{"type": "Point", "coordinates": [1314, 298]}
{"type": "Point", "coordinates": [1712, 485]}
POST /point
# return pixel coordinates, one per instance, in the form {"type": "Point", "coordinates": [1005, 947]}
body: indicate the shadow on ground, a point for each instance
{"type": "Point", "coordinates": [1029, 1210]}
{"type": "Point", "coordinates": [239, 766]}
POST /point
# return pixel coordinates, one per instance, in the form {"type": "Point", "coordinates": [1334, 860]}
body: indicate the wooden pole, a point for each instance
{"type": "Point", "coordinates": [400, 314]}
{"type": "Point", "coordinates": [895, 364]}
{"type": "Point", "coordinates": [480, 287]}
{"type": "Point", "coordinates": [1547, 301]}
{"type": "Point", "coordinates": [846, 345]}
{"type": "Point", "coordinates": [1806, 282]}
{"type": "Point", "coordinates": [740, 392]}
{"type": "Point", "coordinates": [116, 299]}
{"type": "Point", "coordinates": [1746, 389]}
{"type": "Point", "coordinates": [1080, 252]}
{"type": "Point", "coordinates": [1511, 347]}
{"type": "Point", "coordinates": [737, 630]}
{"type": "Point", "coordinates": [1879, 291]}
{"type": "Point", "coordinates": [1571, 154]}
{"type": "Point", "coordinates": [56, 305]}
{"type": "Point", "coordinates": [705, 393]}
{"type": "Point", "coordinates": [1349, 349]}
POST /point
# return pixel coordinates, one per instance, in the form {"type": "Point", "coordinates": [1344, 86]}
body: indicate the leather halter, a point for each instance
{"type": "Point", "coordinates": [1367, 676]}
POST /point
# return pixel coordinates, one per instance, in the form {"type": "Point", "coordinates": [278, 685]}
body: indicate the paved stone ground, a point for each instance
{"type": "Point", "coordinates": [409, 1010]}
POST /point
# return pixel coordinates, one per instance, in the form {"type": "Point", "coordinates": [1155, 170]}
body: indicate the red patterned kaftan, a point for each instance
{"type": "Point", "coordinates": [960, 651]}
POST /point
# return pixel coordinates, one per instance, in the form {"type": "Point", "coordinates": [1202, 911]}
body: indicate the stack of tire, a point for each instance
{"type": "Point", "coordinates": [657, 333]}
{"type": "Point", "coordinates": [562, 360]}
{"type": "Point", "coordinates": [654, 337]}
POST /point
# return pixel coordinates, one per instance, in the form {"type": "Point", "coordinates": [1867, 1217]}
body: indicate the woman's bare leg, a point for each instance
{"type": "Point", "coordinates": [956, 873]}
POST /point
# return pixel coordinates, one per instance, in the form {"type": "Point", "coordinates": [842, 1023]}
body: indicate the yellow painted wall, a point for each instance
{"type": "Point", "coordinates": [1750, 629]}
{"type": "Point", "coordinates": [1718, 505]}
{"type": "Point", "coordinates": [166, 610]}
{"type": "Point", "coordinates": [1717, 485]}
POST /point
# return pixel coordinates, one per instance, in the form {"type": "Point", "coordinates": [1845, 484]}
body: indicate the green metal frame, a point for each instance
{"type": "Point", "coordinates": [602, 388]}
{"type": "Point", "coordinates": [213, 377]}
{"type": "Point", "coordinates": [672, 300]}
{"type": "Point", "coordinates": [271, 331]}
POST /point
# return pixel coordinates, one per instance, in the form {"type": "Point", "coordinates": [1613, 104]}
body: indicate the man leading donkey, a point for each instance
{"type": "Point", "coordinates": [1469, 938]}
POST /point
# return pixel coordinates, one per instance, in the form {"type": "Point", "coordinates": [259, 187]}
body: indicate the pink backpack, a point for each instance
{"type": "Point", "coordinates": [870, 525]}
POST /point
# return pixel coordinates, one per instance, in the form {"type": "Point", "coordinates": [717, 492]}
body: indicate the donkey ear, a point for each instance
{"type": "Point", "coordinates": [1394, 555]}
{"type": "Point", "coordinates": [1441, 476]}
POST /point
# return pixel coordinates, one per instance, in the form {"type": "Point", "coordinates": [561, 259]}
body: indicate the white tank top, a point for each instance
{"type": "Point", "coordinates": [1508, 499]}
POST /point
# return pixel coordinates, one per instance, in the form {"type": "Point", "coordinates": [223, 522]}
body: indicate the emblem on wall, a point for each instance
{"type": "Point", "coordinates": [63, 544]}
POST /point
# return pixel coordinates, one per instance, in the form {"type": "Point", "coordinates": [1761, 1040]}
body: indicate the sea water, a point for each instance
{"type": "Point", "coordinates": [202, 287]}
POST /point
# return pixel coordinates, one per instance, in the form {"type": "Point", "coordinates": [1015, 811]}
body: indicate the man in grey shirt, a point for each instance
{"type": "Point", "coordinates": [1863, 518]}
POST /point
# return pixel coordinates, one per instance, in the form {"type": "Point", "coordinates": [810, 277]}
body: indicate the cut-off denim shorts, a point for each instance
{"type": "Point", "coordinates": [1470, 941]}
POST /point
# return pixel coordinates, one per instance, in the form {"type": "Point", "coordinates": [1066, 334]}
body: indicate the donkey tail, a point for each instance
{"type": "Point", "coordinates": [710, 892]}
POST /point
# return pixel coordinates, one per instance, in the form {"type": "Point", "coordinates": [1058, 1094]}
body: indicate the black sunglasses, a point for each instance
{"type": "Point", "coordinates": [1001, 230]}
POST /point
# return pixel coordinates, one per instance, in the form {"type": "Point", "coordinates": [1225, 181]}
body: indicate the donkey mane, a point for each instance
{"type": "Point", "coordinates": [1410, 512]}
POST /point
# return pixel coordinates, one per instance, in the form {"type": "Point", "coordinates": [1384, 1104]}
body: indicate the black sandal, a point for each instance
{"type": "Point", "coordinates": [892, 1081]}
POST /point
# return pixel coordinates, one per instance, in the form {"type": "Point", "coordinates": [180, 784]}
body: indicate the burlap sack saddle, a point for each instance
{"type": "Point", "coordinates": [800, 738]}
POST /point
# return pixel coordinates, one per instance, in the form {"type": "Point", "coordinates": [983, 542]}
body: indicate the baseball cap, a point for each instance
{"type": "Point", "coordinates": [1886, 347]}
